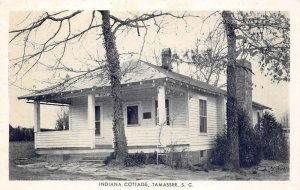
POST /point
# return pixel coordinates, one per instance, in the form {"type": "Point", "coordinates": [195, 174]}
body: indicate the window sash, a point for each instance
{"type": "Point", "coordinates": [203, 124]}
{"type": "Point", "coordinates": [203, 116]}
{"type": "Point", "coordinates": [97, 128]}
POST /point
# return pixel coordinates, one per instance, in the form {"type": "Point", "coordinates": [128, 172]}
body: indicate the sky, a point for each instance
{"type": "Point", "coordinates": [176, 34]}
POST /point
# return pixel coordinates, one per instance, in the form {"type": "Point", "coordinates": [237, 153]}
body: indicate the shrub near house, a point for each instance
{"type": "Point", "coordinates": [249, 145]}
{"type": "Point", "coordinates": [266, 141]}
{"type": "Point", "coordinates": [274, 142]}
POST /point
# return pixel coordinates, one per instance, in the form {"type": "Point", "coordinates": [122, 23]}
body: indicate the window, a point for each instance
{"type": "Point", "coordinates": [167, 111]}
{"type": "Point", "coordinates": [97, 120]}
{"type": "Point", "coordinates": [133, 115]}
{"type": "Point", "coordinates": [203, 116]}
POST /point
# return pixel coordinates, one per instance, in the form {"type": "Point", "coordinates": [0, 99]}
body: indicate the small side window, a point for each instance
{"type": "Point", "coordinates": [203, 116]}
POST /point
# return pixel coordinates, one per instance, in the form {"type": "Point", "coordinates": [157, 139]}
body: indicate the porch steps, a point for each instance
{"type": "Point", "coordinates": [99, 158]}
{"type": "Point", "coordinates": [93, 160]}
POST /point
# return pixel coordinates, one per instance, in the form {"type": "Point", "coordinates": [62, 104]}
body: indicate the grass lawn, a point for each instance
{"type": "Point", "coordinates": [25, 165]}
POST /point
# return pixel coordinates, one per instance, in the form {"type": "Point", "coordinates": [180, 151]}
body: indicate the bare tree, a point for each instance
{"type": "Point", "coordinates": [208, 57]}
{"type": "Point", "coordinates": [101, 23]}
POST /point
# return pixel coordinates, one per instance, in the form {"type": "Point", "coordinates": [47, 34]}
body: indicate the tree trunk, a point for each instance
{"type": "Point", "coordinates": [120, 143]}
{"type": "Point", "coordinates": [231, 106]}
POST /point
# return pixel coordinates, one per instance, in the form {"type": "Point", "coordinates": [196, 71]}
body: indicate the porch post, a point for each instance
{"type": "Point", "coordinates": [37, 116]}
{"type": "Point", "coordinates": [37, 120]}
{"type": "Point", "coordinates": [91, 117]}
{"type": "Point", "coordinates": [161, 97]}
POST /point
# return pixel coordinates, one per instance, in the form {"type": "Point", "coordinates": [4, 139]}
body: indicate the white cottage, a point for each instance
{"type": "Point", "coordinates": [161, 109]}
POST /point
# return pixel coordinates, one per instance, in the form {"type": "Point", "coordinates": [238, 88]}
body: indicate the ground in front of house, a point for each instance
{"type": "Point", "coordinates": [25, 165]}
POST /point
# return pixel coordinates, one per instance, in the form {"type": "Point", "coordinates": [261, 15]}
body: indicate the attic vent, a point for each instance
{"type": "Point", "coordinates": [166, 56]}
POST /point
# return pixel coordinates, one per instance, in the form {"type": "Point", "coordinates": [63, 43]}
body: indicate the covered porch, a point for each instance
{"type": "Point", "coordinates": [155, 114]}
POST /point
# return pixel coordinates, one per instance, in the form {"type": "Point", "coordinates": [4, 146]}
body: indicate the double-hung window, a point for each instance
{"type": "Point", "coordinates": [203, 115]}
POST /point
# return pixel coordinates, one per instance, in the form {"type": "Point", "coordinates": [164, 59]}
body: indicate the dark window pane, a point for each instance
{"type": "Point", "coordinates": [97, 113]}
{"type": "Point", "coordinates": [97, 125]}
{"type": "Point", "coordinates": [168, 112]}
{"type": "Point", "coordinates": [132, 115]}
{"type": "Point", "coordinates": [156, 112]}
{"type": "Point", "coordinates": [203, 107]}
{"type": "Point", "coordinates": [203, 124]}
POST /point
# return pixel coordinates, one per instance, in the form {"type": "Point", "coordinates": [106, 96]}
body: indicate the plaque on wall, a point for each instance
{"type": "Point", "coordinates": [147, 115]}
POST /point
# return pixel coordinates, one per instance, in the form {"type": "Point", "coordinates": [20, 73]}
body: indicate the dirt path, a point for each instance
{"type": "Point", "coordinates": [34, 169]}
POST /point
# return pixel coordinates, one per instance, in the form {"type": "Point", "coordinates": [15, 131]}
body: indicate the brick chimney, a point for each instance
{"type": "Point", "coordinates": [244, 88]}
{"type": "Point", "coordinates": [166, 56]}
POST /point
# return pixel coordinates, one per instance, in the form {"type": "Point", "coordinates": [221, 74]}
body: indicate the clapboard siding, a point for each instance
{"type": "Point", "coordinates": [138, 136]}
{"type": "Point", "coordinates": [59, 139]}
{"type": "Point", "coordinates": [78, 114]}
{"type": "Point", "coordinates": [147, 133]}
{"type": "Point", "coordinates": [200, 140]}
{"type": "Point", "coordinates": [180, 131]}
{"type": "Point", "coordinates": [107, 133]}
{"type": "Point", "coordinates": [221, 112]}
{"type": "Point", "coordinates": [179, 114]}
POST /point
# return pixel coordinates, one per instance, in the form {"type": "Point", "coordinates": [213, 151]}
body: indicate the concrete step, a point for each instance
{"type": "Point", "coordinates": [94, 161]}
{"type": "Point", "coordinates": [99, 158]}
{"type": "Point", "coordinates": [94, 158]}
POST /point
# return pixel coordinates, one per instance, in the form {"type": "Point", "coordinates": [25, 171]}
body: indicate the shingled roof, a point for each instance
{"type": "Point", "coordinates": [132, 71]}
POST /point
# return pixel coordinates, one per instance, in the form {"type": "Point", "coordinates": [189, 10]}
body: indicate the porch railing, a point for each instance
{"type": "Point", "coordinates": [65, 139]}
